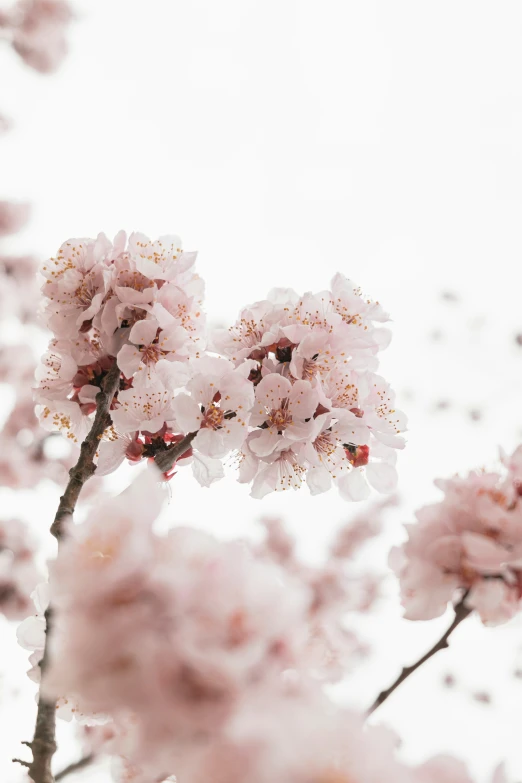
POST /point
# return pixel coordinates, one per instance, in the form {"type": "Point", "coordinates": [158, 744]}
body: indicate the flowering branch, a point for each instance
{"type": "Point", "coordinates": [85, 467]}
{"type": "Point", "coordinates": [75, 767]}
{"type": "Point", "coordinates": [461, 612]}
{"type": "Point", "coordinates": [43, 745]}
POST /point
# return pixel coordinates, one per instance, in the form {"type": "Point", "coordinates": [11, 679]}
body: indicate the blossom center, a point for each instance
{"type": "Point", "coordinates": [85, 292]}
{"type": "Point", "coordinates": [151, 353]}
{"type": "Point", "coordinates": [213, 417]}
{"type": "Point", "coordinates": [280, 418]}
{"type": "Point", "coordinates": [323, 445]}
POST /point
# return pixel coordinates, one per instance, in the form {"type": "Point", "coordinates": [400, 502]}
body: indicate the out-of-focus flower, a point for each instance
{"type": "Point", "coordinates": [19, 573]}
{"type": "Point", "coordinates": [470, 543]}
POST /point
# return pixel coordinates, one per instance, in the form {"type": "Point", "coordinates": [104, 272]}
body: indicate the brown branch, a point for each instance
{"type": "Point", "coordinates": [461, 612]}
{"type": "Point", "coordinates": [85, 467]}
{"type": "Point", "coordinates": [166, 459]}
{"type": "Point", "coordinates": [75, 767]}
{"type": "Point", "coordinates": [43, 745]}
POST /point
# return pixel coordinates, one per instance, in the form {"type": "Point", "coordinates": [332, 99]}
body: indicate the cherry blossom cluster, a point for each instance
{"type": "Point", "coordinates": [290, 734]}
{"type": "Point", "coordinates": [321, 414]}
{"type": "Point", "coordinates": [19, 573]}
{"type": "Point", "coordinates": [290, 389]}
{"type": "Point", "coordinates": [37, 31]}
{"type": "Point", "coordinates": [203, 655]}
{"type": "Point", "coordinates": [467, 545]}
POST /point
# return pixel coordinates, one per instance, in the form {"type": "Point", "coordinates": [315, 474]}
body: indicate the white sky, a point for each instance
{"type": "Point", "coordinates": [286, 140]}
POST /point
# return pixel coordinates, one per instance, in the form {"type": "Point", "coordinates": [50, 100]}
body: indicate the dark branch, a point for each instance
{"type": "Point", "coordinates": [85, 467]}
{"type": "Point", "coordinates": [43, 745]}
{"type": "Point", "coordinates": [166, 459]}
{"type": "Point", "coordinates": [75, 767]}
{"type": "Point", "coordinates": [461, 612]}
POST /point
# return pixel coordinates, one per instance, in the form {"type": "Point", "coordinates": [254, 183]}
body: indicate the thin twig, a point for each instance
{"type": "Point", "coordinates": [461, 612]}
{"type": "Point", "coordinates": [75, 767]}
{"type": "Point", "coordinates": [22, 762]}
{"type": "Point", "coordinates": [166, 459]}
{"type": "Point", "coordinates": [43, 745]}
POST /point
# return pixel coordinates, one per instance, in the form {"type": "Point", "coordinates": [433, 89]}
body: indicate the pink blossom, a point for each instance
{"type": "Point", "coordinates": [162, 259]}
{"type": "Point", "coordinates": [182, 307]}
{"type": "Point", "coordinates": [76, 282]}
{"type": "Point", "coordinates": [135, 630]}
{"type": "Point", "coordinates": [56, 373]}
{"type": "Point", "coordinates": [149, 406]}
{"type": "Point", "coordinates": [298, 737]}
{"type": "Point", "coordinates": [243, 339]}
{"type": "Point", "coordinates": [13, 217]}
{"type": "Point", "coordinates": [148, 345]}
{"type": "Point", "coordinates": [217, 406]}
{"type": "Point", "coordinates": [19, 573]}
{"type": "Point", "coordinates": [469, 543]}
{"type": "Point", "coordinates": [283, 411]}
{"type": "Point", "coordinates": [38, 28]}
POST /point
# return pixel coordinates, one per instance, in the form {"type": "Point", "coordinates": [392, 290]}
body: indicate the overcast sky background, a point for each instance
{"type": "Point", "coordinates": [286, 140]}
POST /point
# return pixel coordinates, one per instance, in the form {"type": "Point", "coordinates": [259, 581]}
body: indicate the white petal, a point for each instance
{"type": "Point", "coordinates": [264, 442]}
{"type": "Point", "coordinates": [210, 443]}
{"type": "Point", "coordinates": [144, 332]}
{"type": "Point", "coordinates": [31, 633]}
{"type": "Point", "coordinates": [207, 470]}
{"type": "Point", "coordinates": [187, 413]}
{"type": "Point", "coordinates": [129, 359]}
{"type": "Point", "coordinates": [318, 480]}
{"type": "Point", "coordinates": [41, 597]}
{"type": "Point", "coordinates": [382, 477]}
{"type": "Point", "coordinates": [354, 486]}
{"type": "Point", "coordinates": [110, 455]}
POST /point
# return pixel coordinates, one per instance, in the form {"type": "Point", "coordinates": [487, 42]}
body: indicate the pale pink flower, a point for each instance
{"type": "Point", "coordinates": [281, 470]}
{"type": "Point", "coordinates": [19, 573]}
{"type": "Point", "coordinates": [67, 417]}
{"type": "Point", "coordinates": [21, 269]}
{"type": "Point", "coordinates": [161, 259]}
{"type": "Point", "coordinates": [148, 345]}
{"type": "Point", "coordinates": [367, 524]}
{"type": "Point", "coordinates": [39, 28]}
{"type": "Point", "coordinates": [130, 285]}
{"type": "Point", "coordinates": [327, 450]}
{"type": "Point", "coordinates": [175, 306]}
{"type": "Point", "coordinates": [243, 340]}
{"type": "Point", "coordinates": [135, 631]}
{"type": "Point", "coordinates": [298, 737]}
{"type": "Point", "coordinates": [76, 283]}
{"type": "Point", "coordinates": [470, 543]}
{"type": "Point", "coordinates": [149, 406]}
{"type": "Point", "coordinates": [13, 217]}
{"type": "Point", "coordinates": [217, 406]}
{"type": "Point", "coordinates": [116, 448]}
{"type": "Point", "coordinates": [283, 411]}
{"type": "Point", "coordinates": [55, 374]}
